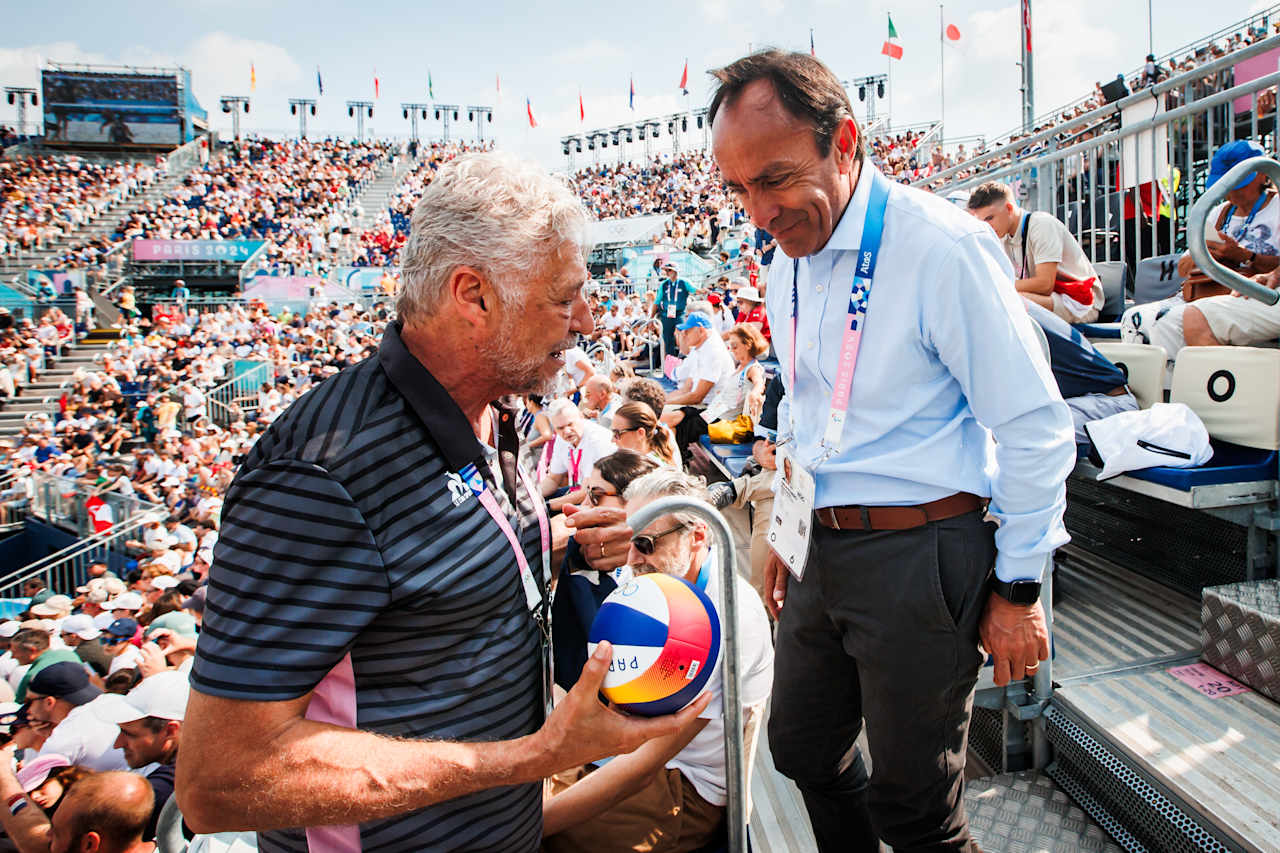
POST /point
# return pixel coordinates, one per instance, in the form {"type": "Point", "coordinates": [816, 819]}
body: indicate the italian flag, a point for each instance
{"type": "Point", "coordinates": [892, 47]}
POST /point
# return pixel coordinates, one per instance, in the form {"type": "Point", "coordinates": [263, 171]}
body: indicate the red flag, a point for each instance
{"type": "Point", "coordinates": [375, 83]}
{"type": "Point", "coordinates": [99, 513]}
{"type": "Point", "coordinates": [533, 122]}
{"type": "Point", "coordinates": [582, 110]}
{"type": "Point", "coordinates": [1026, 23]}
{"type": "Point", "coordinates": [953, 32]}
{"type": "Point", "coordinates": [684, 78]}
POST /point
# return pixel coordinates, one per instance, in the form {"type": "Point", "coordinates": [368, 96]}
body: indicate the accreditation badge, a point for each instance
{"type": "Point", "coordinates": [792, 523]}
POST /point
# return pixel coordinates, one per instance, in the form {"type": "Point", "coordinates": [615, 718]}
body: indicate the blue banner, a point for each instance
{"type": "Point", "coordinates": [195, 250]}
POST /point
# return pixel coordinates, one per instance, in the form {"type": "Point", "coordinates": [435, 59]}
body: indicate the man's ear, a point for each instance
{"type": "Point", "coordinates": [472, 295]}
{"type": "Point", "coordinates": [846, 144]}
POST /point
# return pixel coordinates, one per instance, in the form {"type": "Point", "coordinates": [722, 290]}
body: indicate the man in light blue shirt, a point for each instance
{"type": "Point", "coordinates": [952, 405]}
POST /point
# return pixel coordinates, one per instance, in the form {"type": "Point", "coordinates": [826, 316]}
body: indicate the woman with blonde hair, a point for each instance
{"type": "Point", "coordinates": [635, 427]}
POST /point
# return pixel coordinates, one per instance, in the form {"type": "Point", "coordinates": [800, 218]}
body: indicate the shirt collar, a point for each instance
{"type": "Point", "coordinates": [438, 412]}
{"type": "Point", "coordinates": [847, 235]}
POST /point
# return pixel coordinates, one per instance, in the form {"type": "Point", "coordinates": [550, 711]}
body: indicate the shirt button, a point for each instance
{"type": "Point", "coordinates": [819, 288]}
{"type": "Point", "coordinates": [810, 344]}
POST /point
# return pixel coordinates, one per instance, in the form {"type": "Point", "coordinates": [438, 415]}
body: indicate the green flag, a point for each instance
{"type": "Point", "coordinates": [431, 91]}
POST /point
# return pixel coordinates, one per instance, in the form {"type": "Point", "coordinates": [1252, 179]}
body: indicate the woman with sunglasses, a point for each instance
{"type": "Point", "coordinates": [636, 428]}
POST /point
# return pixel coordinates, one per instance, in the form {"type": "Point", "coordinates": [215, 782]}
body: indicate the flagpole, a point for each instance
{"type": "Point", "coordinates": [942, 78]}
{"type": "Point", "coordinates": [889, 123]}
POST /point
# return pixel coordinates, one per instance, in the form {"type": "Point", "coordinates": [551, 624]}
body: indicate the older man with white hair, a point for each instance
{"type": "Point", "coordinates": [579, 444]}
{"type": "Point", "coordinates": [373, 672]}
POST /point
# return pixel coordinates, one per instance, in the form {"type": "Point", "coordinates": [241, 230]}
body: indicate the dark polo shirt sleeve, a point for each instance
{"type": "Point", "coordinates": [299, 578]}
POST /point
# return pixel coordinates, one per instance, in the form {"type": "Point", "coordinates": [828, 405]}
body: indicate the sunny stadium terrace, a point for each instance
{"type": "Point", "coordinates": [448, 447]}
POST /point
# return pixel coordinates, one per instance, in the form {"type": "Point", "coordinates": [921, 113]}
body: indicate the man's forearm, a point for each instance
{"type": "Point", "coordinates": [314, 774]}
{"type": "Point", "coordinates": [29, 829]}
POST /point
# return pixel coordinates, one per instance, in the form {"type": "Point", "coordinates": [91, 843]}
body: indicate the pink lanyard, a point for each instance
{"type": "Point", "coordinates": [533, 595]}
{"type": "Point", "coordinates": [575, 463]}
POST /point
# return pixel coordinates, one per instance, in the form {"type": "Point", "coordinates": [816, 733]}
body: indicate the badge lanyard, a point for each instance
{"type": "Point", "coordinates": [533, 595]}
{"type": "Point", "coordinates": [859, 297]}
{"type": "Point", "coordinates": [539, 606]}
{"type": "Point", "coordinates": [575, 464]}
{"type": "Point", "coordinates": [1244, 229]}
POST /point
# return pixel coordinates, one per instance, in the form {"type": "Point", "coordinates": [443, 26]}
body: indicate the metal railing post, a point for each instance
{"type": "Point", "coordinates": [734, 758]}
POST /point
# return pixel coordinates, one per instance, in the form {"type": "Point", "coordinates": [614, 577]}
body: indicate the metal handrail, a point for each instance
{"type": "Point", "coordinates": [1196, 230]}
{"type": "Point", "coordinates": [734, 758]}
{"type": "Point", "coordinates": [1105, 111]}
{"type": "Point", "coordinates": [1164, 118]}
{"type": "Point", "coordinates": [46, 568]}
{"type": "Point", "coordinates": [1206, 41]}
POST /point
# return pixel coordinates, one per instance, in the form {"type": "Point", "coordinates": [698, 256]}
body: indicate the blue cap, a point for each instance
{"type": "Point", "coordinates": [1228, 156]}
{"type": "Point", "coordinates": [123, 627]}
{"type": "Point", "coordinates": [696, 320]}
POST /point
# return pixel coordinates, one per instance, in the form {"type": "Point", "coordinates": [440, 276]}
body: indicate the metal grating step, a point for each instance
{"type": "Point", "coordinates": [1027, 813]}
{"type": "Point", "coordinates": [1107, 617]}
{"type": "Point", "coordinates": [1214, 762]}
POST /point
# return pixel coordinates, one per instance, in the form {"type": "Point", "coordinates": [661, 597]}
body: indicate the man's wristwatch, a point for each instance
{"type": "Point", "coordinates": [1023, 592]}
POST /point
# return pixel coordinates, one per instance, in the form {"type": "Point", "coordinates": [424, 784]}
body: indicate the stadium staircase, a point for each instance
{"type": "Point", "coordinates": [15, 267]}
{"type": "Point", "coordinates": [42, 396]}
{"type": "Point", "coordinates": [374, 197]}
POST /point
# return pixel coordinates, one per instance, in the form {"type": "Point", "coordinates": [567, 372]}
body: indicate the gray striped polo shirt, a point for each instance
{"type": "Point", "coordinates": [351, 563]}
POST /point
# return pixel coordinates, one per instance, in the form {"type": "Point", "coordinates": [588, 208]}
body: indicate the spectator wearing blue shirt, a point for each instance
{"type": "Point", "coordinates": [46, 293]}
{"type": "Point", "coordinates": [765, 245]}
{"type": "Point", "coordinates": [180, 293]}
{"type": "Point", "coordinates": [952, 413]}
{"type": "Point", "coordinates": [673, 296]}
{"type": "Point", "coordinates": [45, 451]}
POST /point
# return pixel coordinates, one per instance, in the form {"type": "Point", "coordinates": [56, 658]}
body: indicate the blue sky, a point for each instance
{"type": "Point", "coordinates": [547, 52]}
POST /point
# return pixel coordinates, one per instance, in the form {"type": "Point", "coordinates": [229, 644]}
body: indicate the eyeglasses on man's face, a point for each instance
{"type": "Point", "coordinates": [646, 543]}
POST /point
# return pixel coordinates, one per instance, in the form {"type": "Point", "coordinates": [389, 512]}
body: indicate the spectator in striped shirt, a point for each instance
{"type": "Point", "coordinates": [372, 670]}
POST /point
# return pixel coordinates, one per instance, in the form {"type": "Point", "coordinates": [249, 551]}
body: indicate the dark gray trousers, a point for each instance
{"type": "Point", "coordinates": [883, 628]}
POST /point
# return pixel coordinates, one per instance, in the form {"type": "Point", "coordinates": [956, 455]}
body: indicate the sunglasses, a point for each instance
{"type": "Point", "coordinates": [115, 641]}
{"type": "Point", "coordinates": [619, 432]}
{"type": "Point", "coordinates": [596, 494]}
{"type": "Point", "coordinates": [645, 543]}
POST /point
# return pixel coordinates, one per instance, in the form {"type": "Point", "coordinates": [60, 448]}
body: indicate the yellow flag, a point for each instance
{"type": "Point", "coordinates": [253, 77]}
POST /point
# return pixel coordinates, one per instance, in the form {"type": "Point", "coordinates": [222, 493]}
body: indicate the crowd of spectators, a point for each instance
{"type": "Point", "coordinates": [44, 198]}
{"type": "Point", "coordinates": [380, 244]}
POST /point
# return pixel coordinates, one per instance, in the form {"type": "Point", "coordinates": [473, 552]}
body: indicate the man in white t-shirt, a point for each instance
{"type": "Point", "coordinates": [1051, 268]}
{"type": "Point", "coordinates": [579, 444]}
{"type": "Point", "coordinates": [706, 371]}
{"type": "Point", "coordinates": [686, 769]}
{"type": "Point", "coordinates": [62, 695]}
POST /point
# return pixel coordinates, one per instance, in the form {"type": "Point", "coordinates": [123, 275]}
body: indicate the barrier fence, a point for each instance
{"type": "Point", "coordinates": [1125, 191]}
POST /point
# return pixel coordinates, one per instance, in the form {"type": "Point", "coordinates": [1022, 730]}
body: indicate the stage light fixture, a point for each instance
{"type": "Point", "coordinates": [370, 112]}
{"type": "Point", "coordinates": [455, 115]}
{"type": "Point", "coordinates": [699, 122]}
{"type": "Point", "coordinates": [579, 146]}
{"type": "Point", "coordinates": [34, 100]}
{"type": "Point", "coordinates": [437, 115]}
{"type": "Point", "coordinates": [424, 114]}
{"type": "Point", "coordinates": [406, 113]}
{"type": "Point", "coordinates": [226, 108]}
{"type": "Point", "coordinates": [293, 109]}
{"type": "Point", "coordinates": [11, 97]}
{"type": "Point", "coordinates": [880, 89]}
{"type": "Point", "coordinates": [313, 109]}
{"type": "Point", "coordinates": [862, 93]}
{"type": "Point", "coordinates": [351, 111]}
{"type": "Point", "coordinates": [471, 115]}
{"type": "Point", "coordinates": [246, 106]}
{"type": "Point", "coordinates": [566, 150]}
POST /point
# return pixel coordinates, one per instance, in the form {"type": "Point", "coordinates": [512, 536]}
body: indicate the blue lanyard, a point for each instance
{"type": "Point", "coordinates": [859, 298]}
{"type": "Point", "coordinates": [1257, 205]}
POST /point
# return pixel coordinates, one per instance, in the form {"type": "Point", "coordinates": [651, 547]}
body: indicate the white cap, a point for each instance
{"type": "Point", "coordinates": [162, 695]}
{"type": "Point", "coordinates": [103, 620]}
{"type": "Point", "coordinates": [124, 601]}
{"type": "Point", "coordinates": [81, 625]}
{"type": "Point", "coordinates": [9, 627]}
{"type": "Point", "coordinates": [54, 605]}
{"type": "Point", "coordinates": [164, 582]}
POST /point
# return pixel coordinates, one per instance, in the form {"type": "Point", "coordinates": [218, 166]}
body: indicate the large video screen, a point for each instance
{"type": "Point", "coordinates": [111, 108]}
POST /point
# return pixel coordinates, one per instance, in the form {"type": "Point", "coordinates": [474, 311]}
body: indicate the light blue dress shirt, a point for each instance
{"type": "Point", "coordinates": [951, 393]}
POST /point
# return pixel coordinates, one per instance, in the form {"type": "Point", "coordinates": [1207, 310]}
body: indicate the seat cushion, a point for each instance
{"type": "Point", "coordinates": [1102, 331]}
{"type": "Point", "coordinates": [1231, 463]}
{"type": "Point", "coordinates": [725, 451]}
